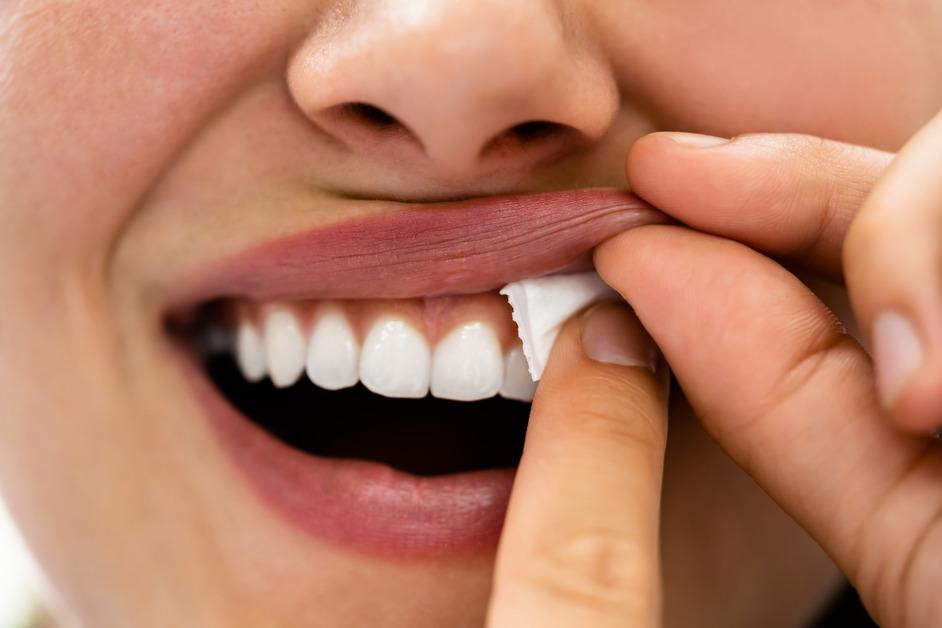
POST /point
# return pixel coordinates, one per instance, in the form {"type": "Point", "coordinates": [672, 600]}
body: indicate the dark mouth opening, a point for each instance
{"type": "Point", "coordinates": [425, 437]}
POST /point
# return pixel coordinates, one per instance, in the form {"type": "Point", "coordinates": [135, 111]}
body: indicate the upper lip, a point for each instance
{"type": "Point", "coordinates": [413, 250]}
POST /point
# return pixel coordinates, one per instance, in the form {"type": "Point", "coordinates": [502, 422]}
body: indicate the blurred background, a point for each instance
{"type": "Point", "coordinates": [19, 581]}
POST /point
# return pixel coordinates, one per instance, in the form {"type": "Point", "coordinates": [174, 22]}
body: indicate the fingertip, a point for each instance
{"type": "Point", "coordinates": [898, 354]}
{"type": "Point", "coordinates": [688, 141]}
{"type": "Point", "coordinates": [916, 409]}
{"type": "Point", "coordinates": [604, 364]}
{"type": "Point", "coordinates": [700, 180]}
{"type": "Point", "coordinates": [653, 151]}
{"type": "Point", "coordinates": [623, 259]}
{"type": "Point", "coordinates": [612, 334]}
{"type": "Point", "coordinates": [624, 243]}
{"type": "Point", "coordinates": [891, 274]}
{"type": "Point", "coordinates": [649, 153]}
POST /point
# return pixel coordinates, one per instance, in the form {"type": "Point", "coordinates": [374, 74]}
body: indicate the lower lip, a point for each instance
{"type": "Point", "coordinates": [362, 505]}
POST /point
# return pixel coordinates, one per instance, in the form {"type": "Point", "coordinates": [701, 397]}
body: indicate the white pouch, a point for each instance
{"type": "Point", "coordinates": [541, 306]}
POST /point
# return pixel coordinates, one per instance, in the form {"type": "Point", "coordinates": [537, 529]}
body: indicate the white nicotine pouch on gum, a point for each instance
{"type": "Point", "coordinates": [541, 306]}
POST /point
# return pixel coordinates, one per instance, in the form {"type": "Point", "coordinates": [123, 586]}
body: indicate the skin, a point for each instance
{"type": "Point", "coordinates": [138, 143]}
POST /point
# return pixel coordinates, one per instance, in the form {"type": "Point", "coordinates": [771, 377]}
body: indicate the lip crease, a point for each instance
{"type": "Point", "coordinates": [409, 251]}
{"type": "Point", "coordinates": [429, 249]}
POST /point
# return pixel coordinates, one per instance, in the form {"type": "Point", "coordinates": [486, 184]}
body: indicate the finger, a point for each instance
{"type": "Point", "coordinates": [893, 266]}
{"type": "Point", "coordinates": [790, 196]}
{"type": "Point", "coordinates": [580, 543]}
{"type": "Point", "coordinates": [790, 397]}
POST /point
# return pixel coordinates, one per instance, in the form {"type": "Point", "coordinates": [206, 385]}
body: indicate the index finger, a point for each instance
{"type": "Point", "coordinates": [787, 195]}
{"type": "Point", "coordinates": [580, 543]}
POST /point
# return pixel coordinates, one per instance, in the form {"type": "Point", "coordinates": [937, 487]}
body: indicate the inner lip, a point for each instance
{"type": "Point", "coordinates": [422, 437]}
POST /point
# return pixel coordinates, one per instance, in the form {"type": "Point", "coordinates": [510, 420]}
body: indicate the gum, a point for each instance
{"type": "Point", "coordinates": [435, 317]}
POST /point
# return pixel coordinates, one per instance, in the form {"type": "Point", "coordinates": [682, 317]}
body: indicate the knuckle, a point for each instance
{"type": "Point", "coordinates": [823, 352]}
{"type": "Point", "coordinates": [811, 177]}
{"type": "Point", "coordinates": [596, 567]}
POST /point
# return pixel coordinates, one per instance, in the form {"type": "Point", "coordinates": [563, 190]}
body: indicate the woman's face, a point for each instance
{"type": "Point", "coordinates": [155, 156]}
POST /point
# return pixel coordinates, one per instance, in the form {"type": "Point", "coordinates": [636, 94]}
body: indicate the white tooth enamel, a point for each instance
{"type": "Point", "coordinates": [395, 360]}
{"type": "Point", "coordinates": [284, 346]}
{"type": "Point", "coordinates": [517, 381]}
{"type": "Point", "coordinates": [250, 353]}
{"type": "Point", "coordinates": [468, 364]}
{"type": "Point", "coordinates": [333, 357]}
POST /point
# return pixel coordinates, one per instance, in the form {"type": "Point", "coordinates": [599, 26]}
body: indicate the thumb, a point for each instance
{"type": "Point", "coordinates": [580, 543]}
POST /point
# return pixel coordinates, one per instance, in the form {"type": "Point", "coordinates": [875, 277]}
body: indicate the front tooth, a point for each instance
{"type": "Point", "coordinates": [284, 346]}
{"type": "Point", "coordinates": [333, 356]}
{"type": "Point", "coordinates": [395, 360]}
{"type": "Point", "coordinates": [468, 364]}
{"type": "Point", "coordinates": [517, 381]}
{"type": "Point", "coordinates": [250, 352]}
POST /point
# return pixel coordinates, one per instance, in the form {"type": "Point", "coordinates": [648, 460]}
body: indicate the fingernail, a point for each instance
{"type": "Point", "coordinates": [695, 140]}
{"type": "Point", "coordinates": [897, 352]}
{"type": "Point", "coordinates": [612, 334]}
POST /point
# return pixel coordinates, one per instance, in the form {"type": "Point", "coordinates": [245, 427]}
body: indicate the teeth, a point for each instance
{"type": "Point", "coordinates": [395, 361]}
{"type": "Point", "coordinates": [517, 381]}
{"type": "Point", "coordinates": [284, 346]}
{"type": "Point", "coordinates": [468, 364]}
{"type": "Point", "coordinates": [333, 357]}
{"type": "Point", "coordinates": [250, 353]}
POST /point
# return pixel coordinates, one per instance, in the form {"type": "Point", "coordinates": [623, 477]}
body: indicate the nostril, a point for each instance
{"type": "Point", "coordinates": [529, 134]}
{"type": "Point", "coordinates": [363, 124]}
{"type": "Point", "coordinates": [368, 114]}
{"type": "Point", "coordinates": [536, 130]}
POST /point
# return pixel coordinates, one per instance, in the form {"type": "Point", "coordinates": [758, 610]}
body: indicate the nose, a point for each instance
{"type": "Point", "coordinates": [452, 88]}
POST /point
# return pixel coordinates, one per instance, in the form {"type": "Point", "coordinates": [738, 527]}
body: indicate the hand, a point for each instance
{"type": "Point", "coordinates": [810, 200]}
{"type": "Point", "coordinates": [580, 543]}
{"type": "Point", "coordinates": [770, 372]}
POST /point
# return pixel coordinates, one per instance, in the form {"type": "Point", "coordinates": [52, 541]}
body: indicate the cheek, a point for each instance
{"type": "Point", "coordinates": [861, 72]}
{"type": "Point", "coordinates": [96, 97]}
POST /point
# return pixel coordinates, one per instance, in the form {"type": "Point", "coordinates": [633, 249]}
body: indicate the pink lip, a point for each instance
{"type": "Point", "coordinates": [407, 251]}
{"type": "Point", "coordinates": [359, 504]}
{"type": "Point", "coordinates": [430, 249]}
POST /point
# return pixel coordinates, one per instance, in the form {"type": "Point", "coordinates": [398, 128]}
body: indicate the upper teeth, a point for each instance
{"type": "Point", "coordinates": [517, 382]}
{"type": "Point", "coordinates": [250, 351]}
{"type": "Point", "coordinates": [468, 364]}
{"type": "Point", "coordinates": [333, 355]}
{"type": "Point", "coordinates": [284, 347]}
{"type": "Point", "coordinates": [394, 360]}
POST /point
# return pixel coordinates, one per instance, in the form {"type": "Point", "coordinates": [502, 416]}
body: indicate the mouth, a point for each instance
{"type": "Point", "coordinates": [366, 379]}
